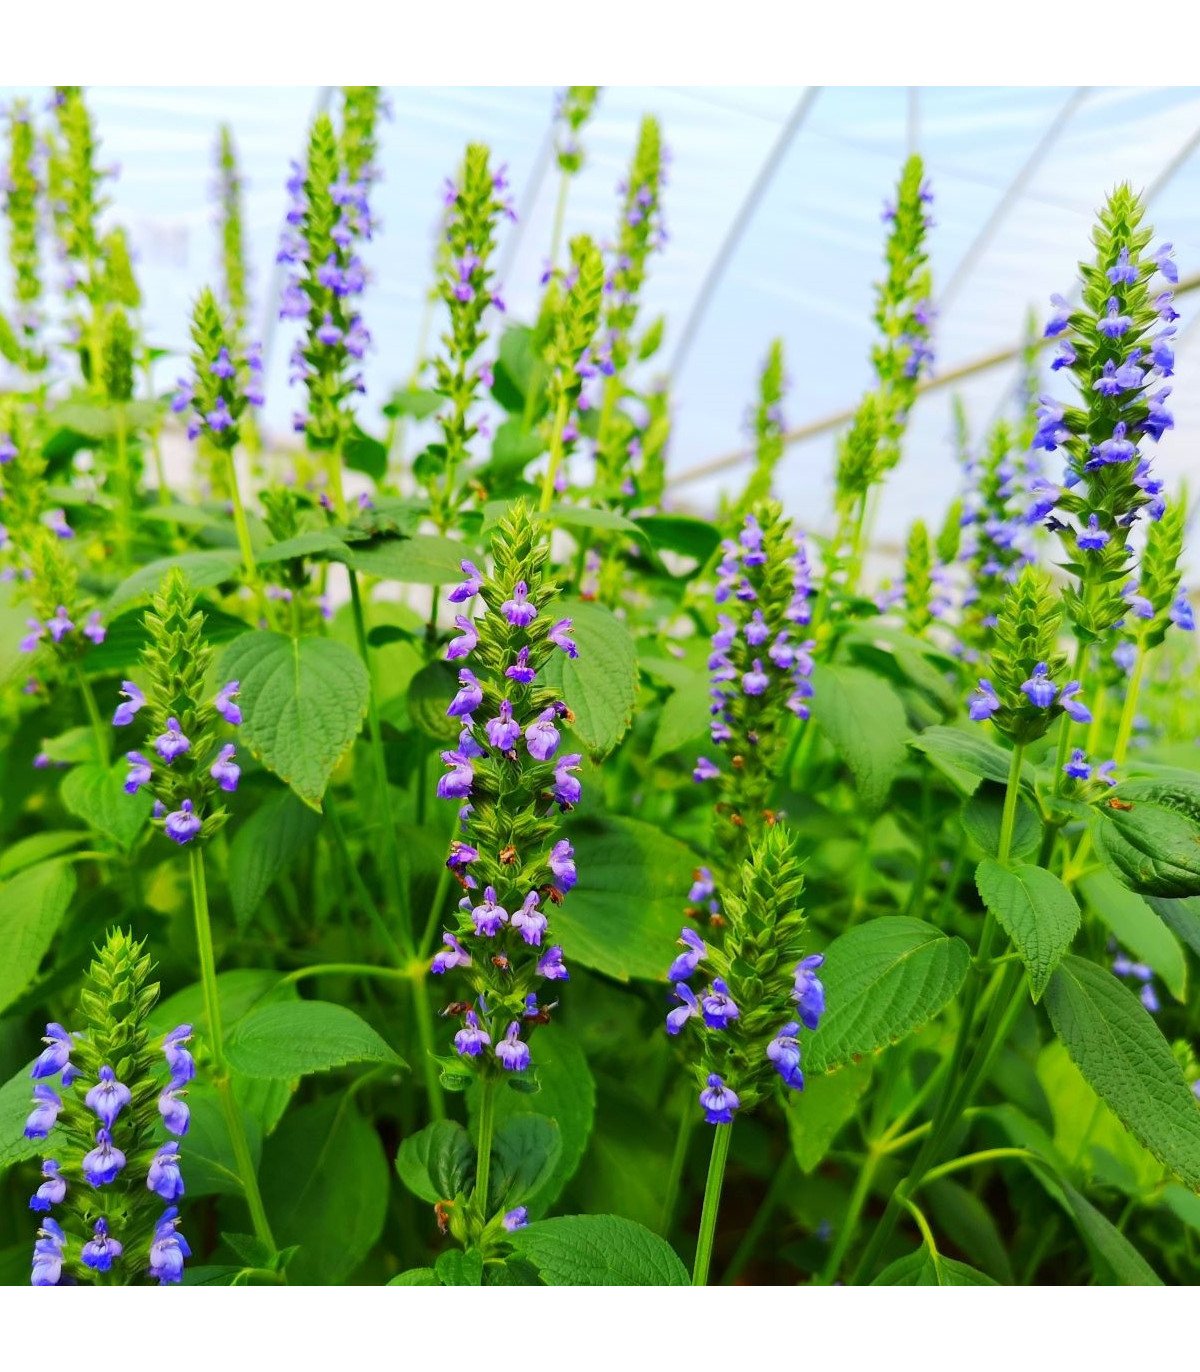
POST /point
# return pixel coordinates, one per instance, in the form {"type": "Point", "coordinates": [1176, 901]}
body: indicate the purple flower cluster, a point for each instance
{"type": "Point", "coordinates": [1039, 690]}
{"type": "Point", "coordinates": [60, 629]}
{"type": "Point", "coordinates": [1139, 972]}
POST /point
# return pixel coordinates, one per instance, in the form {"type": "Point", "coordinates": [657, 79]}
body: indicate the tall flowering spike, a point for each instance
{"type": "Point", "coordinates": [361, 108]}
{"type": "Point", "coordinates": [570, 353]}
{"type": "Point", "coordinates": [329, 216]}
{"type": "Point", "coordinates": [1117, 346]}
{"type": "Point", "coordinates": [1159, 578]}
{"type": "Point", "coordinates": [186, 762]}
{"type": "Point", "coordinates": [231, 230]}
{"type": "Point", "coordinates": [512, 781]}
{"type": "Point", "coordinates": [1026, 688]}
{"type": "Point", "coordinates": [918, 579]}
{"type": "Point", "coordinates": [22, 210]}
{"type": "Point", "coordinates": [759, 669]}
{"type": "Point", "coordinates": [574, 106]}
{"type": "Point", "coordinates": [1001, 488]}
{"type": "Point", "coordinates": [749, 992]}
{"type": "Point", "coordinates": [225, 380]}
{"type": "Point", "coordinates": [101, 1190]}
{"type": "Point", "coordinates": [768, 428]}
{"type": "Point", "coordinates": [904, 319]}
{"type": "Point", "coordinates": [467, 285]}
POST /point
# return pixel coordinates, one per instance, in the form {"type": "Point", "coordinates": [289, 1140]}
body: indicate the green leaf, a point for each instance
{"type": "Point", "coordinates": [127, 636]}
{"type": "Point", "coordinates": [325, 1187]}
{"type": "Point", "coordinates": [212, 1168]}
{"type": "Point", "coordinates": [96, 795]}
{"type": "Point", "coordinates": [981, 818]}
{"type": "Point", "coordinates": [864, 720]}
{"type": "Point", "coordinates": [302, 702]}
{"type": "Point", "coordinates": [600, 685]}
{"type": "Point", "coordinates": [882, 980]}
{"type": "Point", "coordinates": [1035, 910]}
{"type": "Point", "coordinates": [1148, 833]}
{"type": "Point", "coordinates": [525, 1152]}
{"type": "Point", "coordinates": [624, 918]}
{"type": "Point", "coordinates": [412, 403]}
{"type": "Point", "coordinates": [694, 538]}
{"type": "Point", "coordinates": [965, 756]}
{"type": "Point", "coordinates": [238, 992]}
{"type": "Point", "coordinates": [422, 560]}
{"type": "Point", "coordinates": [684, 718]}
{"type": "Point", "coordinates": [210, 567]}
{"type": "Point", "coordinates": [458, 1268]}
{"type": "Point", "coordinates": [1122, 1054]}
{"type": "Point", "coordinates": [923, 1269]}
{"type": "Point", "coordinates": [967, 1222]}
{"type": "Point", "coordinates": [264, 847]}
{"type": "Point", "coordinates": [314, 543]}
{"type": "Point", "coordinates": [1138, 928]}
{"type": "Point", "coordinates": [586, 517]}
{"type": "Point", "coordinates": [362, 452]}
{"type": "Point", "coordinates": [599, 1250]}
{"type": "Point", "coordinates": [32, 906]}
{"type": "Point", "coordinates": [292, 1038]}
{"type": "Point", "coordinates": [816, 1115]}
{"type": "Point", "coordinates": [1108, 1245]}
{"type": "Point", "coordinates": [1182, 917]}
{"type": "Point", "coordinates": [514, 368]}
{"type": "Point", "coordinates": [38, 847]}
{"type": "Point", "coordinates": [567, 1096]}
{"type": "Point", "coordinates": [437, 1162]}
{"type": "Point", "coordinates": [16, 1101]}
{"type": "Point", "coordinates": [416, 1276]}
{"type": "Point", "coordinates": [429, 693]}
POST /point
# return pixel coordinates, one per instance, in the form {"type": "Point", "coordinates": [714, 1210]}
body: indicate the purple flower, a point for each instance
{"type": "Point", "coordinates": [560, 636]}
{"type": "Point", "coordinates": [514, 1219]}
{"type": "Point", "coordinates": [1181, 613]}
{"type": "Point", "coordinates": [225, 702]}
{"type": "Point", "coordinates": [686, 962]}
{"type": "Point", "coordinates": [541, 737]}
{"type": "Point", "coordinates": [1149, 999]}
{"type": "Point", "coordinates": [139, 773]}
{"type": "Point", "coordinates": [551, 965]}
{"type": "Point", "coordinates": [719, 1008]}
{"type": "Point", "coordinates": [31, 640]}
{"type": "Point", "coordinates": [985, 702]}
{"type": "Point", "coordinates": [1125, 655]}
{"type": "Point", "coordinates": [1163, 259]}
{"type": "Point", "coordinates": [808, 992]}
{"type": "Point", "coordinates": [94, 629]}
{"type": "Point", "coordinates": [46, 1105]}
{"type": "Point", "coordinates": [168, 1249]}
{"type": "Point", "coordinates": [471, 1038]}
{"type": "Point", "coordinates": [1060, 318]}
{"type": "Point", "coordinates": [56, 522]}
{"type": "Point", "coordinates": [102, 1164]}
{"type": "Point", "coordinates": [719, 1101]}
{"type": "Point", "coordinates": [688, 1008]}
{"type": "Point", "coordinates": [489, 915]}
{"type": "Point", "coordinates": [108, 1097]}
{"type": "Point", "coordinates": [529, 921]}
{"type": "Point", "coordinates": [8, 449]}
{"type": "Point", "coordinates": [456, 784]}
{"type": "Point", "coordinates": [520, 670]}
{"type": "Point", "coordinates": [48, 1254]}
{"type": "Point", "coordinates": [180, 1063]}
{"type": "Point", "coordinates": [182, 825]}
{"type": "Point", "coordinates": [1068, 699]}
{"type": "Point", "coordinates": [1124, 270]}
{"type": "Point", "coordinates": [567, 789]}
{"type": "Point", "coordinates": [1115, 449]}
{"type": "Point", "coordinates": [218, 419]}
{"type": "Point", "coordinates": [173, 743]}
{"type": "Point", "coordinates": [703, 884]}
{"type": "Point", "coordinates": [224, 770]}
{"type": "Point", "coordinates": [328, 333]}
{"type": "Point", "coordinates": [519, 610]}
{"type": "Point", "coordinates": [455, 955]}
{"type": "Point", "coordinates": [164, 1177]}
{"type": "Point", "coordinates": [469, 696]}
{"type": "Point", "coordinates": [512, 1053]}
{"type": "Point", "coordinates": [1114, 323]}
{"type": "Point", "coordinates": [133, 702]}
{"type": "Point", "coordinates": [756, 682]}
{"type": "Point", "coordinates": [1078, 766]}
{"type": "Point", "coordinates": [60, 625]}
{"type": "Point", "coordinates": [51, 1191]}
{"type": "Point", "coordinates": [705, 770]}
{"type": "Point", "coordinates": [100, 1249]}
{"type": "Point", "coordinates": [784, 1054]}
{"type": "Point", "coordinates": [56, 1055]}
{"type": "Point", "coordinates": [471, 586]}
{"type": "Point", "coordinates": [1039, 688]}
{"type": "Point", "coordinates": [1095, 537]}
{"type": "Point", "coordinates": [223, 367]}
{"type": "Point", "coordinates": [503, 731]}
{"type": "Point", "coordinates": [174, 1110]}
{"type": "Point", "coordinates": [467, 638]}
{"type": "Point", "coordinates": [562, 864]}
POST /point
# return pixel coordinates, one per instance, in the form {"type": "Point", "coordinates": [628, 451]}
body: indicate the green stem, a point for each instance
{"type": "Point", "coordinates": [972, 1160]}
{"type": "Point", "coordinates": [344, 969]}
{"type": "Point", "coordinates": [849, 1225]}
{"type": "Point", "coordinates": [391, 849]}
{"type": "Point", "coordinates": [216, 1047]}
{"type": "Point", "coordinates": [99, 729]}
{"type": "Point", "coordinates": [556, 455]}
{"type": "Point", "coordinates": [683, 1137]}
{"type": "Point", "coordinates": [239, 520]}
{"type": "Point", "coordinates": [1129, 709]}
{"type": "Point", "coordinates": [712, 1203]}
{"type": "Point", "coordinates": [483, 1146]}
{"type": "Point", "coordinates": [423, 1012]}
{"type": "Point", "coordinates": [560, 213]}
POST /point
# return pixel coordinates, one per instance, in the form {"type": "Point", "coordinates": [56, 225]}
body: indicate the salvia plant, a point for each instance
{"type": "Point", "coordinates": [433, 853]}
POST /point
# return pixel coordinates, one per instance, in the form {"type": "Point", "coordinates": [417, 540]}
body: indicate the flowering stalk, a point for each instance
{"type": "Point", "coordinates": [361, 108]}
{"type": "Point", "coordinates": [22, 201]}
{"type": "Point", "coordinates": [512, 784]}
{"type": "Point", "coordinates": [768, 425]}
{"type": "Point", "coordinates": [759, 673]}
{"type": "Point", "coordinates": [568, 355]}
{"type": "Point", "coordinates": [467, 286]}
{"type": "Point", "coordinates": [574, 106]}
{"type": "Point", "coordinates": [102, 1193]}
{"type": "Point", "coordinates": [762, 990]}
